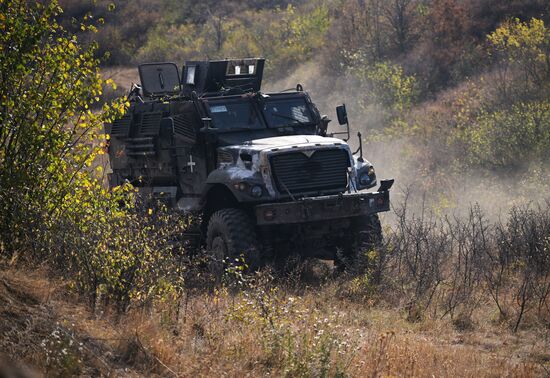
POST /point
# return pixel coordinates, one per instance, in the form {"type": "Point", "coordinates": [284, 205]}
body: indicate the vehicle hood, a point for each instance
{"type": "Point", "coordinates": [259, 149]}
{"type": "Point", "coordinates": [288, 142]}
{"type": "Point", "coordinates": [250, 160]}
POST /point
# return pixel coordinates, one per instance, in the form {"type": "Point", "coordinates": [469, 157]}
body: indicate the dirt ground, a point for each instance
{"type": "Point", "coordinates": [45, 330]}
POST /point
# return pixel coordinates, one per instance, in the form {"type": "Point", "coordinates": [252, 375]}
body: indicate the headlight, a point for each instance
{"type": "Point", "coordinates": [242, 186]}
{"type": "Point", "coordinates": [364, 179]}
{"type": "Point", "coordinates": [256, 191]}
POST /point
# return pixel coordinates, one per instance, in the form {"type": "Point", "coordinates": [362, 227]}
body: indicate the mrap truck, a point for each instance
{"type": "Point", "coordinates": [260, 170]}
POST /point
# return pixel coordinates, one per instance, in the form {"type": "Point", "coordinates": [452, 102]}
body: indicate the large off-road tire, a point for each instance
{"type": "Point", "coordinates": [366, 235]}
{"type": "Point", "coordinates": [369, 232]}
{"type": "Point", "coordinates": [230, 234]}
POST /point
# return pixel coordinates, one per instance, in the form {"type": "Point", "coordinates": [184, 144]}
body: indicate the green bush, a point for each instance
{"type": "Point", "coordinates": [507, 138]}
{"type": "Point", "coordinates": [384, 85]}
{"type": "Point", "coordinates": [53, 204]}
{"type": "Point", "coordinates": [521, 52]}
{"type": "Point", "coordinates": [48, 133]}
{"type": "Point", "coordinates": [284, 36]}
{"type": "Point", "coordinates": [125, 256]}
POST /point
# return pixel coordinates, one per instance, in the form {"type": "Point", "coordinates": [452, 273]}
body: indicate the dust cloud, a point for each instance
{"type": "Point", "coordinates": [436, 185]}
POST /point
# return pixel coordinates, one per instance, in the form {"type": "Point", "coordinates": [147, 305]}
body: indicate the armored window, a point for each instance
{"type": "Point", "coordinates": [158, 79]}
{"type": "Point", "coordinates": [287, 112]}
{"type": "Point", "coordinates": [234, 115]}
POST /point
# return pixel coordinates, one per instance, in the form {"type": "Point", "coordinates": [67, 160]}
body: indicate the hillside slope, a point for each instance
{"type": "Point", "coordinates": [226, 334]}
{"type": "Point", "coordinates": [54, 335]}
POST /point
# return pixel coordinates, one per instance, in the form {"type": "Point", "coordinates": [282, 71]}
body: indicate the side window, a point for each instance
{"type": "Point", "coordinates": [235, 115]}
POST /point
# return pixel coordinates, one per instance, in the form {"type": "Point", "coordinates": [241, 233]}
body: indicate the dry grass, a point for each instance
{"type": "Point", "coordinates": [456, 297]}
{"type": "Point", "coordinates": [268, 327]}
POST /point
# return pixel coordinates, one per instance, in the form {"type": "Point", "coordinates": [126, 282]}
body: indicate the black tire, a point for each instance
{"type": "Point", "coordinates": [369, 231]}
{"type": "Point", "coordinates": [231, 233]}
{"type": "Point", "coordinates": [367, 235]}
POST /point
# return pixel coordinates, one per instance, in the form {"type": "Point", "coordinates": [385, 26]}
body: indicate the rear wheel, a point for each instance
{"type": "Point", "coordinates": [366, 236]}
{"type": "Point", "coordinates": [230, 234]}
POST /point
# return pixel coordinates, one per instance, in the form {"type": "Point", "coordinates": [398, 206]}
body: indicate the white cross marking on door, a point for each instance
{"type": "Point", "coordinates": [191, 163]}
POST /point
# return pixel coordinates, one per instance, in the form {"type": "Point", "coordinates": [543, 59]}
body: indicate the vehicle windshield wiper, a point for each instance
{"type": "Point", "coordinates": [288, 117]}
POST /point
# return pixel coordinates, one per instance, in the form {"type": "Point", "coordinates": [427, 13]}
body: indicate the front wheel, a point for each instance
{"type": "Point", "coordinates": [230, 234]}
{"type": "Point", "coordinates": [366, 236]}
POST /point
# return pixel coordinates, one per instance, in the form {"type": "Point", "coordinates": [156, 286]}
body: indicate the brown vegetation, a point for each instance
{"type": "Point", "coordinates": [445, 297]}
{"type": "Point", "coordinates": [269, 327]}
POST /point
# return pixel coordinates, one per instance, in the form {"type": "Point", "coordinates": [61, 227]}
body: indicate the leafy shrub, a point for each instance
{"type": "Point", "coordinates": [507, 138]}
{"type": "Point", "coordinates": [173, 43]}
{"type": "Point", "coordinates": [53, 204]}
{"type": "Point", "coordinates": [384, 85]}
{"type": "Point", "coordinates": [48, 133]}
{"type": "Point", "coordinates": [521, 51]}
{"type": "Point", "coordinates": [127, 256]}
{"type": "Point", "coordinates": [284, 36]}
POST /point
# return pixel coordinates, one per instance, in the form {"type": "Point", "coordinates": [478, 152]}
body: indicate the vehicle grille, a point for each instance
{"type": "Point", "coordinates": [224, 157]}
{"type": "Point", "coordinates": [183, 125]}
{"type": "Point", "coordinates": [121, 126]}
{"type": "Point", "coordinates": [150, 123]}
{"type": "Point", "coordinates": [324, 170]}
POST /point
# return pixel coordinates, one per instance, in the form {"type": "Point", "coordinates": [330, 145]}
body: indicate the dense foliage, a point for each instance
{"type": "Point", "coordinates": [53, 204]}
{"type": "Point", "coordinates": [441, 41]}
{"type": "Point", "coordinates": [47, 129]}
{"type": "Point", "coordinates": [391, 60]}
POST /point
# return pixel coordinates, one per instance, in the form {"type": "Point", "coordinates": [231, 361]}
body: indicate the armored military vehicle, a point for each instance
{"type": "Point", "coordinates": [261, 169]}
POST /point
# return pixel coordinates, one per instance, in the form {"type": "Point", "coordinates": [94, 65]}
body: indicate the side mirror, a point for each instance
{"type": "Point", "coordinates": [210, 133]}
{"type": "Point", "coordinates": [342, 114]}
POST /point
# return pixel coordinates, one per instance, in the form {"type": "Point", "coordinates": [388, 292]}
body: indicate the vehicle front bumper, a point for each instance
{"type": "Point", "coordinates": [311, 209]}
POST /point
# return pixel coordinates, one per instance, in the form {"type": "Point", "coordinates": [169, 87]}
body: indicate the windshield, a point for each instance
{"type": "Point", "coordinates": [234, 115]}
{"type": "Point", "coordinates": [287, 112]}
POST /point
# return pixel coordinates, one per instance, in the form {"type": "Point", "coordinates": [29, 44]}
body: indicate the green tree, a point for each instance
{"type": "Point", "coordinates": [384, 85]}
{"type": "Point", "coordinates": [54, 207]}
{"type": "Point", "coordinates": [48, 133]}
{"type": "Point", "coordinates": [521, 51]}
{"type": "Point", "coordinates": [507, 138]}
{"type": "Point", "coordinates": [284, 36]}
{"type": "Point", "coordinates": [510, 129]}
